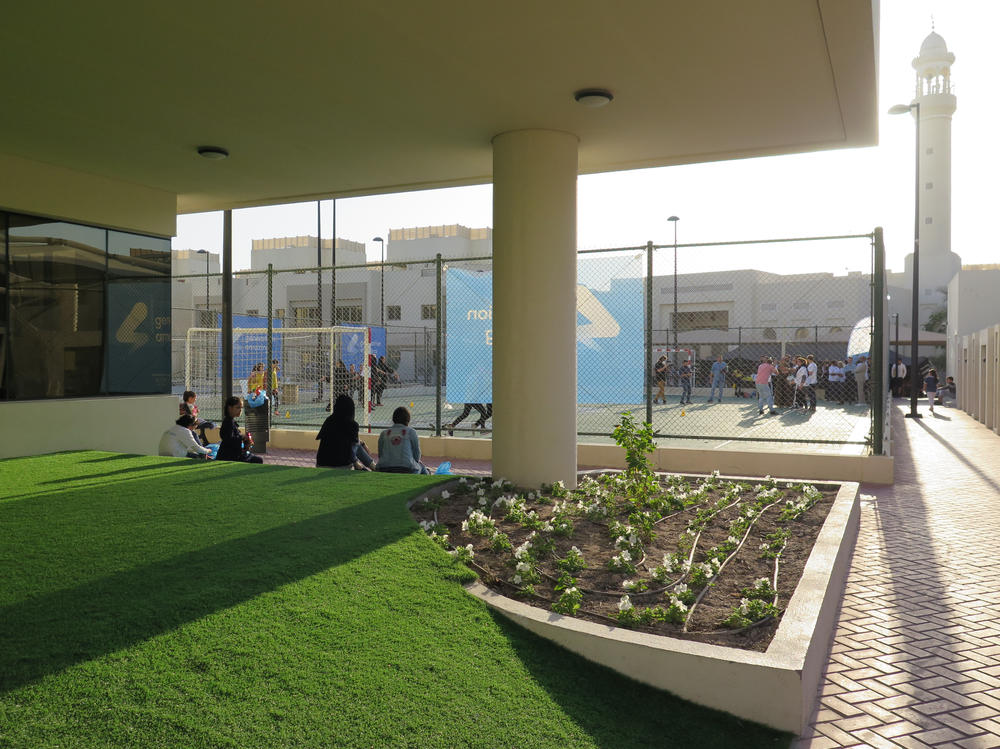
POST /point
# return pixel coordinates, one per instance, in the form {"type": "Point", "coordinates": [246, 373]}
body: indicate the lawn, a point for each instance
{"type": "Point", "coordinates": [158, 602]}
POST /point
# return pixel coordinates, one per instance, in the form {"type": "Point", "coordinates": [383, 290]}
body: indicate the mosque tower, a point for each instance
{"type": "Point", "coordinates": [938, 264]}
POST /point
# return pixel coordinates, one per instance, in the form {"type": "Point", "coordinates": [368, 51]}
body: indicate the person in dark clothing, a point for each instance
{"type": "Point", "coordinates": [339, 444]}
{"type": "Point", "coordinates": [233, 445]}
{"type": "Point", "coordinates": [468, 408]}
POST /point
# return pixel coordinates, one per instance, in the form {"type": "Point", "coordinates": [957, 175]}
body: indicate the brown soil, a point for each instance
{"type": "Point", "coordinates": [602, 588]}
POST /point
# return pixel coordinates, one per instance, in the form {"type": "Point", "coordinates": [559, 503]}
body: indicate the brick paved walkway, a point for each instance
{"type": "Point", "coordinates": [916, 654]}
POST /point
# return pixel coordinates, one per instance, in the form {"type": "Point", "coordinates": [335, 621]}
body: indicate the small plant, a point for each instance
{"type": "Point", "coordinates": [677, 610]}
{"type": "Point", "coordinates": [635, 586]}
{"type": "Point", "coordinates": [622, 562]}
{"type": "Point", "coordinates": [750, 611]}
{"type": "Point", "coordinates": [479, 524]}
{"type": "Point", "coordinates": [637, 442]}
{"type": "Point", "coordinates": [761, 590]}
{"type": "Point", "coordinates": [573, 562]}
{"type": "Point", "coordinates": [463, 553]}
{"type": "Point", "coordinates": [500, 542]}
{"type": "Point", "coordinates": [774, 543]}
{"type": "Point", "coordinates": [568, 602]}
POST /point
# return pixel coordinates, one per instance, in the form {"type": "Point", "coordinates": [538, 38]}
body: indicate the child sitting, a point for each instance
{"type": "Point", "coordinates": [399, 446]}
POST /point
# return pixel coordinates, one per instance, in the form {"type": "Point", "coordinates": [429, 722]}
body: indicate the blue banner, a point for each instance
{"type": "Point", "coordinates": [610, 334]}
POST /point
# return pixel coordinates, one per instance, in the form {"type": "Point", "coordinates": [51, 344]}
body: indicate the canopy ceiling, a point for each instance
{"type": "Point", "coordinates": [320, 99]}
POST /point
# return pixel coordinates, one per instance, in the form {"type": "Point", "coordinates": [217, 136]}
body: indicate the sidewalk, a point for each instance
{"type": "Point", "coordinates": [916, 654]}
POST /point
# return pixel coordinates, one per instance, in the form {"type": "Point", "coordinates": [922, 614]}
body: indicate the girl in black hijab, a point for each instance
{"type": "Point", "coordinates": [339, 446]}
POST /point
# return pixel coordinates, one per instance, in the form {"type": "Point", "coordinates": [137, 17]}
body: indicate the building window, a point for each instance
{"type": "Point", "coordinates": [769, 334]}
{"type": "Point", "coordinates": [253, 313]}
{"type": "Point", "coordinates": [428, 312]}
{"type": "Point", "coordinates": [705, 320]}
{"type": "Point", "coordinates": [394, 312]}
{"type": "Point", "coordinates": [349, 313]}
{"type": "Point", "coordinates": [89, 311]}
{"type": "Point", "coordinates": [306, 317]}
{"type": "Point", "coordinates": [279, 313]}
{"type": "Point", "coordinates": [801, 334]}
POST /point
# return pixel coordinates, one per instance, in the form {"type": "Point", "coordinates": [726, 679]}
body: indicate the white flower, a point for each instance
{"type": "Point", "coordinates": [677, 603]}
{"type": "Point", "coordinates": [574, 550]}
{"type": "Point", "coordinates": [764, 545]}
{"type": "Point", "coordinates": [559, 485]}
{"type": "Point", "coordinates": [462, 480]}
{"type": "Point", "coordinates": [547, 527]}
{"type": "Point", "coordinates": [497, 484]}
{"type": "Point", "coordinates": [468, 548]}
{"type": "Point", "coordinates": [762, 582]}
{"type": "Point", "coordinates": [680, 588]}
{"type": "Point", "coordinates": [445, 494]}
{"type": "Point", "coordinates": [744, 605]}
{"type": "Point", "coordinates": [482, 501]}
{"type": "Point", "coordinates": [732, 540]}
{"type": "Point", "coordinates": [626, 556]}
{"type": "Point", "coordinates": [517, 579]}
{"type": "Point", "coordinates": [628, 584]}
{"type": "Point", "coordinates": [465, 526]}
{"type": "Point", "coordinates": [481, 491]}
{"type": "Point", "coordinates": [523, 567]}
{"type": "Point", "coordinates": [625, 604]}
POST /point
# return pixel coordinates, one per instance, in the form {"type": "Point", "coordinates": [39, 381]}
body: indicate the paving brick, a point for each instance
{"type": "Point", "coordinates": [916, 656]}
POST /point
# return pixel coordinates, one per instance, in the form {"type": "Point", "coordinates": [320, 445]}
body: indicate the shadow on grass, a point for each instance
{"type": "Point", "coordinates": [166, 466]}
{"type": "Point", "coordinates": [51, 632]}
{"type": "Point", "coordinates": [618, 712]}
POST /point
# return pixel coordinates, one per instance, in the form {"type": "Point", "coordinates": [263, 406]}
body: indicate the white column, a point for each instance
{"type": "Point", "coordinates": [534, 307]}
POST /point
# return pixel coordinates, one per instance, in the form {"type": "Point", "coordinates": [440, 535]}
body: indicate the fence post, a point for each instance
{"type": "Point", "coordinates": [649, 332]}
{"type": "Point", "coordinates": [270, 326]}
{"type": "Point", "coordinates": [877, 371]}
{"type": "Point", "coordinates": [439, 320]}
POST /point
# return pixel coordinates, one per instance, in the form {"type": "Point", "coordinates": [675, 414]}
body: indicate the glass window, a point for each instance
{"type": "Point", "coordinates": [393, 312]}
{"type": "Point", "coordinates": [138, 309]}
{"type": "Point", "coordinates": [56, 326]}
{"type": "Point", "coordinates": [428, 311]}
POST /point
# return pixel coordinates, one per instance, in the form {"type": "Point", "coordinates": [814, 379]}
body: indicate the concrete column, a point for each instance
{"type": "Point", "coordinates": [534, 307]}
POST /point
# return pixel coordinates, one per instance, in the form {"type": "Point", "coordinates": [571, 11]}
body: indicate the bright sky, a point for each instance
{"type": "Point", "coordinates": [832, 192]}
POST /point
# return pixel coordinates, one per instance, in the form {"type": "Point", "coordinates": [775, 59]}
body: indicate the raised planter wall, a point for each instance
{"type": "Point", "coordinates": [777, 688]}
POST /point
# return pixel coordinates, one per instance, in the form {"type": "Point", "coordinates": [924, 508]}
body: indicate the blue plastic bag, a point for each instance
{"type": "Point", "coordinates": [257, 399]}
{"type": "Point", "coordinates": [444, 469]}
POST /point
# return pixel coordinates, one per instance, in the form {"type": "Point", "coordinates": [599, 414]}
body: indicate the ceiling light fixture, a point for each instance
{"type": "Point", "coordinates": [594, 97]}
{"type": "Point", "coordinates": [215, 153]}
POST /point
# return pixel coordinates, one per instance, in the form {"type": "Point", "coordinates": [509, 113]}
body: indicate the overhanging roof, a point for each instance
{"type": "Point", "coordinates": [321, 99]}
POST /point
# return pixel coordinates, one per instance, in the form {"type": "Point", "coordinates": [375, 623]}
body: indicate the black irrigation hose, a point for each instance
{"type": "Point", "coordinates": [708, 583]}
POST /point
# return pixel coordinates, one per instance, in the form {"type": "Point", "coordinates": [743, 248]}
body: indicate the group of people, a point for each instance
{"type": "Point", "coordinates": [350, 381]}
{"type": "Point", "coordinates": [340, 444]}
{"type": "Point", "coordinates": [179, 441]}
{"type": "Point", "coordinates": [261, 378]}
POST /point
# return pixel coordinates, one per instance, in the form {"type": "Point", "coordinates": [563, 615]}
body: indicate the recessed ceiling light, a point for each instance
{"type": "Point", "coordinates": [593, 97]}
{"type": "Point", "coordinates": [213, 152]}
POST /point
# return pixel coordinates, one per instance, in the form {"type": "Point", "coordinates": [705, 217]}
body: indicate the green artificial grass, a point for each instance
{"type": "Point", "coordinates": [158, 602]}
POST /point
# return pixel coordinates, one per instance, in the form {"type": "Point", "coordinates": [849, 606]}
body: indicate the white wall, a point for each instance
{"type": "Point", "coordinates": [131, 424]}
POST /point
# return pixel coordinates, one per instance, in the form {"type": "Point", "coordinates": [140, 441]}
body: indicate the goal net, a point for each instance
{"type": "Point", "coordinates": [314, 366]}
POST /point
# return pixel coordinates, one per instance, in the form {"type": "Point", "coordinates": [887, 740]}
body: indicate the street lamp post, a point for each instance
{"type": "Point", "coordinates": [674, 220]}
{"type": "Point", "coordinates": [208, 308]}
{"type": "Point", "coordinates": [382, 280]}
{"type": "Point", "coordinates": [914, 317]}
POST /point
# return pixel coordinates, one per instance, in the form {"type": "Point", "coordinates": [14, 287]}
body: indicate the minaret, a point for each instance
{"type": "Point", "coordinates": [938, 264]}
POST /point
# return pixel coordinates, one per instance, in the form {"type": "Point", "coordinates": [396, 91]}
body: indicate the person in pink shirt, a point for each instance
{"type": "Point", "coordinates": [763, 381]}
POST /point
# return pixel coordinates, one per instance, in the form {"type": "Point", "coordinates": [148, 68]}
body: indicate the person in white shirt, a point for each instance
{"type": "Point", "coordinates": [837, 379]}
{"type": "Point", "coordinates": [860, 376]}
{"type": "Point", "coordinates": [801, 400]}
{"type": "Point", "coordinates": [812, 377]}
{"type": "Point", "coordinates": [897, 376]}
{"type": "Point", "coordinates": [179, 440]}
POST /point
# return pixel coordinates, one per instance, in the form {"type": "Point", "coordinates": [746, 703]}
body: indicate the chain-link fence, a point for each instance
{"type": "Point", "coordinates": [682, 350]}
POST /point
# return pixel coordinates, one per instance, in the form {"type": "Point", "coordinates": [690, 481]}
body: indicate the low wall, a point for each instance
{"type": "Point", "coordinates": [815, 467]}
{"type": "Point", "coordinates": [126, 424]}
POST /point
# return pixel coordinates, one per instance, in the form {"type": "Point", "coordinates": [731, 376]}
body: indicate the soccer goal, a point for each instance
{"type": "Point", "coordinates": [314, 366]}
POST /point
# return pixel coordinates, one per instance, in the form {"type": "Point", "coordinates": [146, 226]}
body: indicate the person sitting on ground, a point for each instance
{"type": "Point", "coordinates": [188, 407]}
{"type": "Point", "coordinates": [399, 446]}
{"type": "Point", "coordinates": [234, 445]}
{"type": "Point", "coordinates": [950, 388]}
{"type": "Point", "coordinates": [339, 444]}
{"type": "Point", "coordinates": [179, 441]}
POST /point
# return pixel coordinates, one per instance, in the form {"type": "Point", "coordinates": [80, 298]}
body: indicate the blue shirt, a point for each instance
{"type": "Point", "coordinates": [718, 369]}
{"type": "Point", "coordinates": [399, 447]}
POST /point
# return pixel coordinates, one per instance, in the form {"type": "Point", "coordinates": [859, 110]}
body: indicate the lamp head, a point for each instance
{"type": "Point", "coordinates": [674, 218]}
{"type": "Point", "coordinates": [378, 239]}
{"type": "Point", "coordinates": [901, 108]}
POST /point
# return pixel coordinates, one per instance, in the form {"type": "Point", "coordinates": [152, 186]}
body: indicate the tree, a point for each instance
{"type": "Point", "coordinates": [938, 321]}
